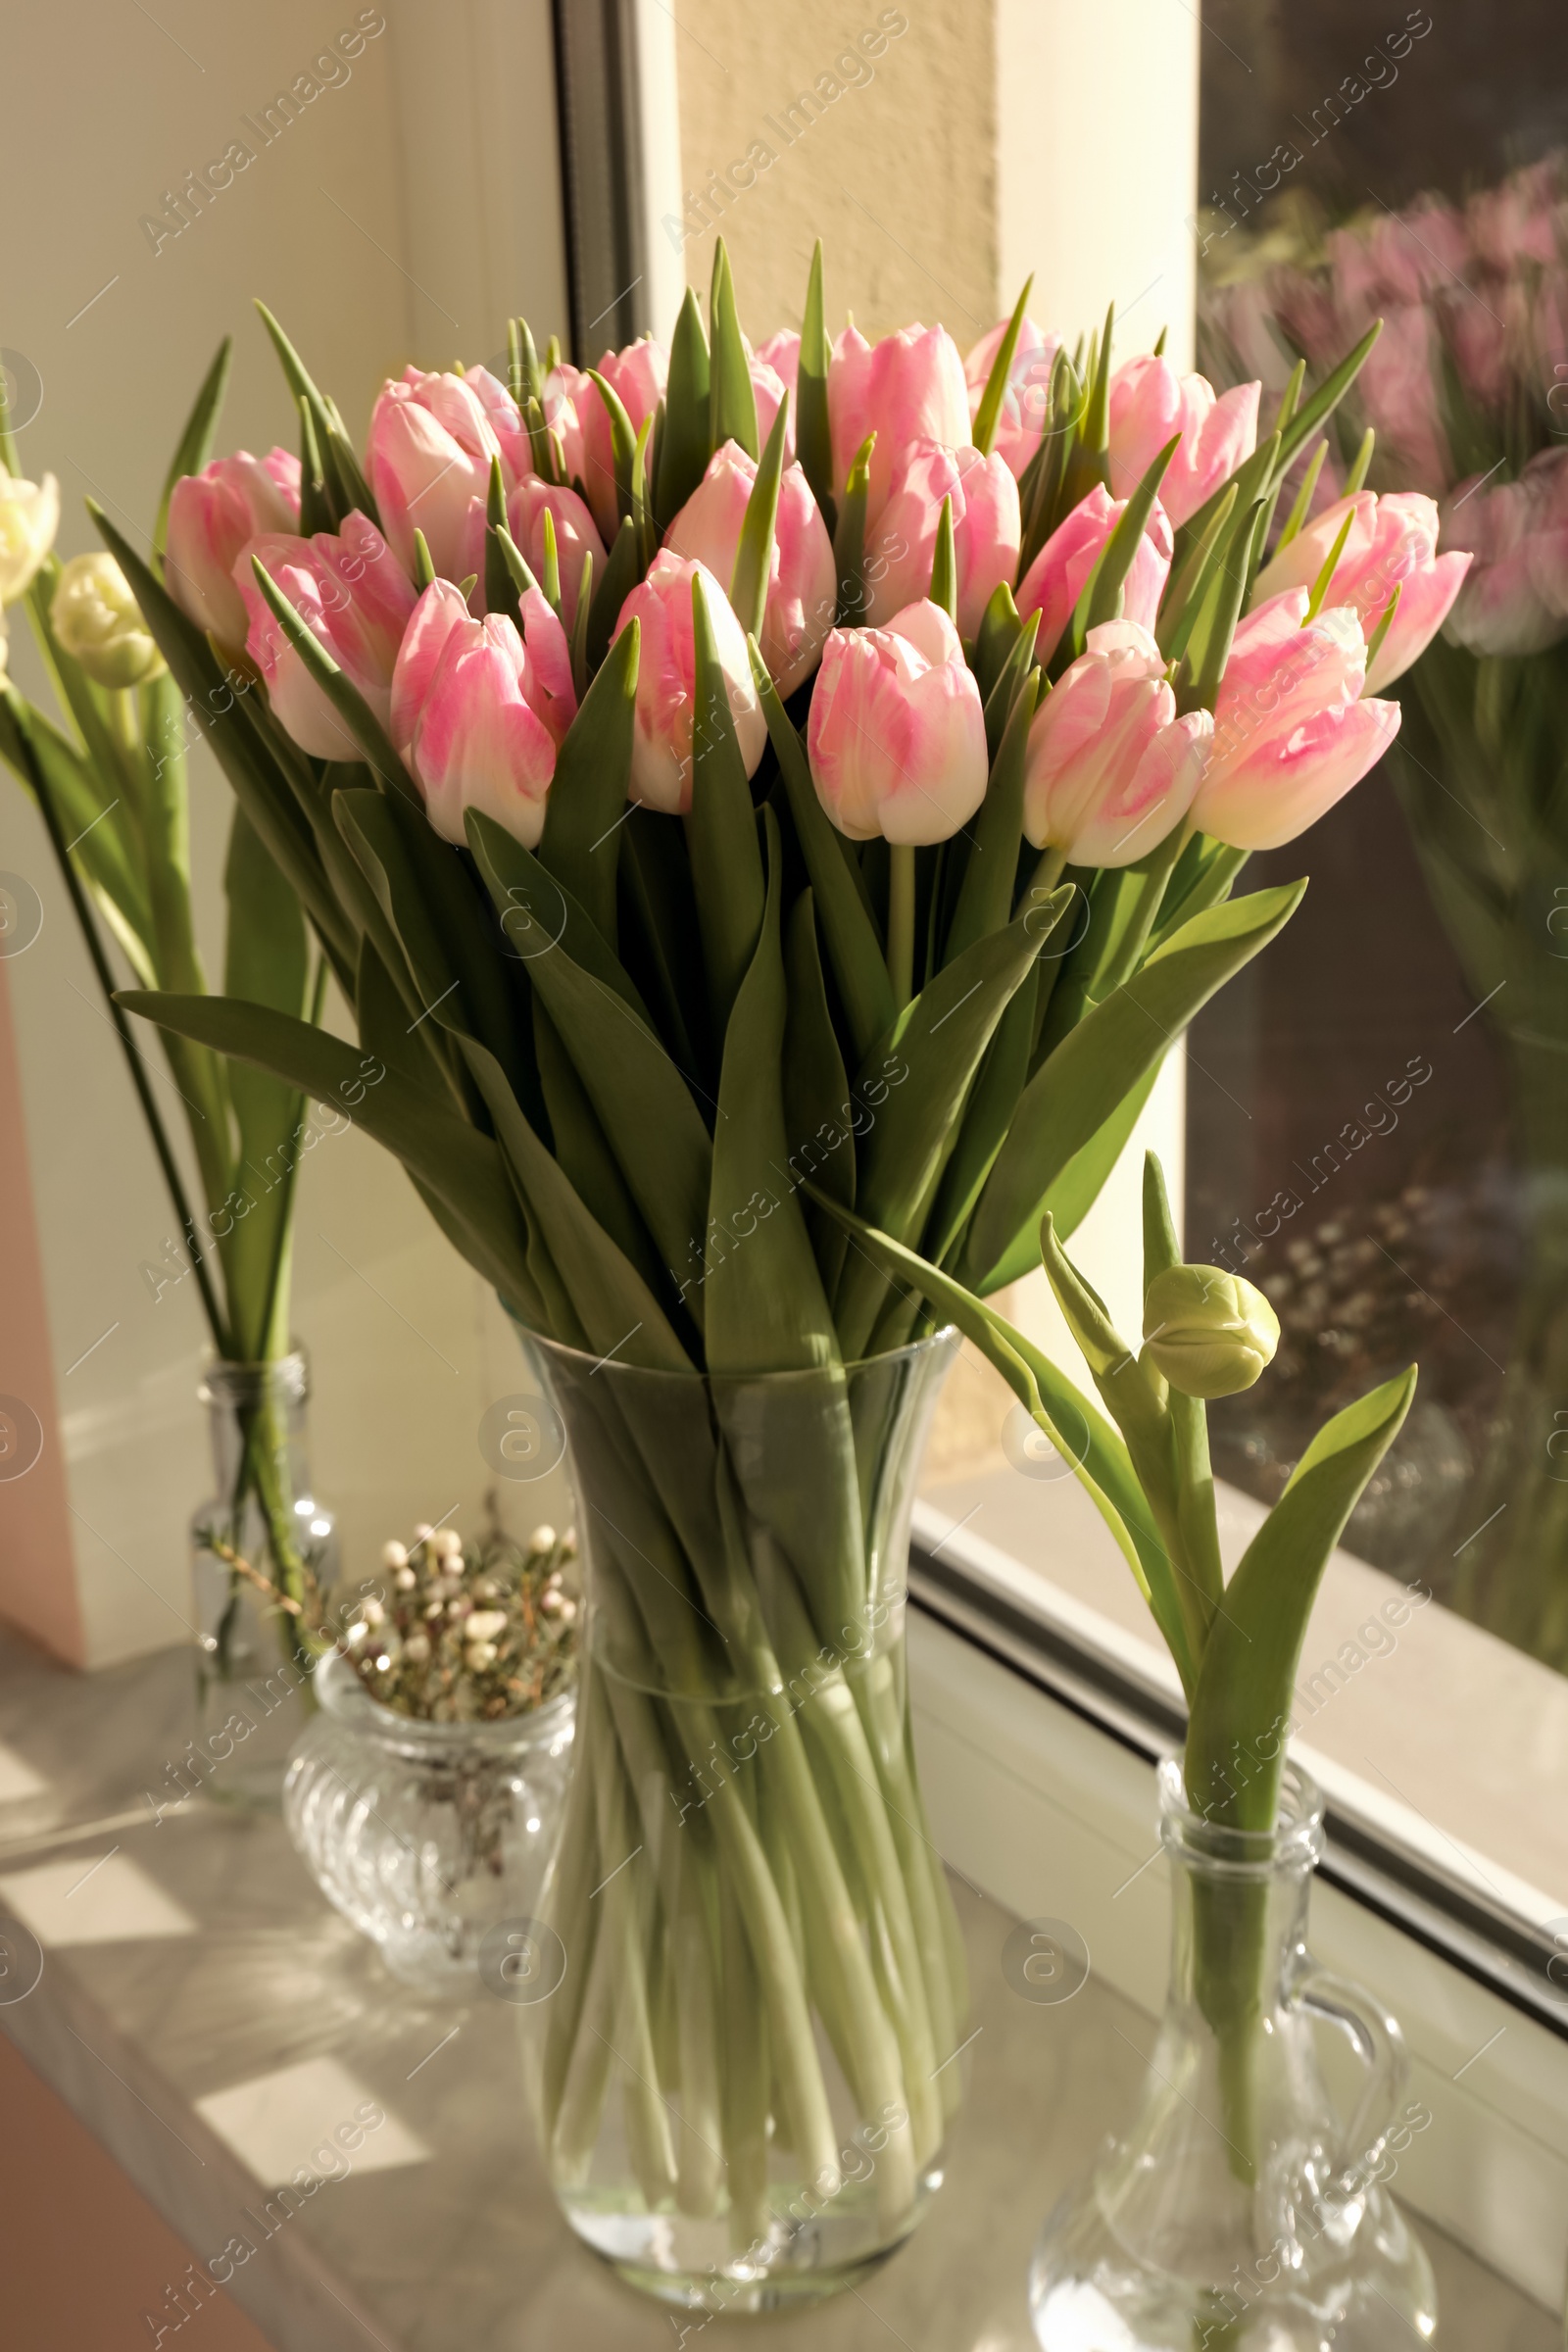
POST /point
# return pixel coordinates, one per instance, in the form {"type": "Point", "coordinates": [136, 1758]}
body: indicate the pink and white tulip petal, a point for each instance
{"type": "Point", "coordinates": [897, 737]}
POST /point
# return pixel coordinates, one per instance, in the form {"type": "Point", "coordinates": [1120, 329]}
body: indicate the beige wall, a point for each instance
{"type": "Point", "coordinates": [896, 175]}
{"type": "Point", "coordinates": [401, 216]}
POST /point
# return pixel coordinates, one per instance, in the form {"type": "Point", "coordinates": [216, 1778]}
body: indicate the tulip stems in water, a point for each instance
{"type": "Point", "coordinates": [900, 922]}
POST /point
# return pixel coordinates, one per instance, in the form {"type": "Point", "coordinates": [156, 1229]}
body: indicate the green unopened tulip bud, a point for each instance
{"type": "Point", "coordinates": [96, 619]}
{"type": "Point", "coordinates": [1209, 1332]}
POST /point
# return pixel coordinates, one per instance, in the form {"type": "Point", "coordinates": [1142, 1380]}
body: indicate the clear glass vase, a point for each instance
{"type": "Point", "coordinates": [1238, 2213]}
{"type": "Point", "coordinates": [254, 1660]}
{"type": "Point", "coordinates": [746, 1993]}
{"type": "Point", "coordinates": [427, 1835]}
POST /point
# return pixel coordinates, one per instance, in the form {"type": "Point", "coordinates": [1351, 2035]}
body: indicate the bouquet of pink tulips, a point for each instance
{"type": "Point", "coordinates": [1467, 396]}
{"type": "Point", "coordinates": [711, 775]}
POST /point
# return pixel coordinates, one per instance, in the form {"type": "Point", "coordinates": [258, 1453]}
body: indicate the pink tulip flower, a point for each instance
{"type": "Point", "coordinates": [1111, 768]}
{"type": "Point", "coordinates": [908, 387]}
{"type": "Point", "coordinates": [1055, 580]}
{"type": "Point", "coordinates": [1515, 598]}
{"type": "Point", "coordinates": [802, 583]}
{"type": "Point", "coordinates": [489, 706]}
{"type": "Point", "coordinates": [1149, 404]}
{"type": "Point", "coordinates": [351, 593]}
{"type": "Point", "coordinates": [211, 516]}
{"type": "Point", "coordinates": [636, 375]}
{"type": "Point", "coordinates": [896, 738]}
{"type": "Point", "coordinates": [667, 680]}
{"type": "Point", "coordinates": [768, 387]}
{"type": "Point", "coordinates": [567, 392]}
{"type": "Point", "coordinates": [439, 611]}
{"type": "Point", "coordinates": [782, 353]}
{"type": "Point", "coordinates": [575, 537]}
{"type": "Point", "coordinates": [1026, 402]}
{"type": "Point", "coordinates": [1391, 544]}
{"type": "Point", "coordinates": [432, 442]}
{"type": "Point", "coordinates": [987, 528]}
{"type": "Point", "coordinates": [1292, 733]}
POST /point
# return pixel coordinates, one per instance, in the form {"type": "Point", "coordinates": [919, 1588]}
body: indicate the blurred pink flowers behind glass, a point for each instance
{"type": "Point", "coordinates": [1292, 733]}
{"type": "Point", "coordinates": [802, 583]}
{"type": "Point", "coordinates": [667, 674]}
{"type": "Point", "coordinates": [1055, 580]}
{"type": "Point", "coordinates": [1515, 600]}
{"type": "Point", "coordinates": [351, 593]}
{"type": "Point", "coordinates": [897, 736]}
{"type": "Point", "coordinates": [212, 514]}
{"type": "Point", "coordinates": [987, 528]}
{"type": "Point", "coordinates": [1111, 768]}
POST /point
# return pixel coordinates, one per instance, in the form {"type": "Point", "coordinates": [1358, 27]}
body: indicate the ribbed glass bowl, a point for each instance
{"type": "Point", "coordinates": [425, 1835]}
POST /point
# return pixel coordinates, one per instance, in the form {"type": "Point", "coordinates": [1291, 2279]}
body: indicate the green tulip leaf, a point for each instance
{"type": "Point", "coordinates": [720, 829]}
{"type": "Point", "coordinates": [854, 947]}
{"type": "Point", "coordinates": [591, 788]}
{"type": "Point", "coordinates": [1242, 1707]}
{"type": "Point", "coordinates": [685, 445]}
{"type": "Point", "coordinates": [196, 441]}
{"type": "Point", "coordinates": [1097, 1066]}
{"type": "Point", "coordinates": [732, 402]}
{"type": "Point", "coordinates": [766, 1309]}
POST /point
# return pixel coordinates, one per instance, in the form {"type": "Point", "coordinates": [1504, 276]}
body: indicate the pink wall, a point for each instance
{"type": "Point", "coordinates": [37, 1560]}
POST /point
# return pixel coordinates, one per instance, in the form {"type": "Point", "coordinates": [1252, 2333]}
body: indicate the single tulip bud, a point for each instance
{"type": "Point", "coordinates": [30, 517]}
{"type": "Point", "coordinates": [1149, 404]}
{"type": "Point", "coordinates": [1210, 1333]}
{"type": "Point", "coordinates": [1055, 579]}
{"type": "Point", "coordinates": [98, 622]}
{"type": "Point", "coordinates": [1291, 730]}
{"type": "Point", "coordinates": [348, 589]}
{"type": "Point", "coordinates": [908, 387]}
{"type": "Point", "coordinates": [1111, 768]}
{"type": "Point", "coordinates": [211, 515]}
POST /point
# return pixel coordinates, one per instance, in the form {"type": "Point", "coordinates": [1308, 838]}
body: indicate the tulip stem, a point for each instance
{"type": "Point", "coordinates": [900, 922]}
{"type": "Point", "coordinates": [1047, 873]}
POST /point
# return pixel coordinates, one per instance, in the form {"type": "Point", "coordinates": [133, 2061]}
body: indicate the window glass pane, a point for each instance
{"type": "Point", "coordinates": [1379, 1110]}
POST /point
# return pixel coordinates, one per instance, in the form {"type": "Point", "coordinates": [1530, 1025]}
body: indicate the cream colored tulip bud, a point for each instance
{"type": "Point", "coordinates": [30, 517]}
{"type": "Point", "coordinates": [97, 620]}
{"type": "Point", "coordinates": [1210, 1333]}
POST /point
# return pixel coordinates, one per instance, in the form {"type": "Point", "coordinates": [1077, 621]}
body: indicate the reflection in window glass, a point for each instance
{"type": "Point", "coordinates": [1378, 1109]}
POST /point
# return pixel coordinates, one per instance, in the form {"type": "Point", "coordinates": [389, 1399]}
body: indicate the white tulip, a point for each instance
{"type": "Point", "coordinates": [30, 517]}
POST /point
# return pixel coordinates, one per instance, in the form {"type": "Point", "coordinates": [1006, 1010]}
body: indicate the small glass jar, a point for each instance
{"type": "Point", "coordinates": [253, 1660]}
{"type": "Point", "coordinates": [425, 1835]}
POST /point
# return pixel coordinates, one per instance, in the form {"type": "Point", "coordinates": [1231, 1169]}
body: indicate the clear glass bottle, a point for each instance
{"type": "Point", "coordinates": [427, 1835]}
{"type": "Point", "coordinates": [1238, 2213]}
{"type": "Point", "coordinates": [253, 1661]}
{"type": "Point", "coordinates": [745, 2000]}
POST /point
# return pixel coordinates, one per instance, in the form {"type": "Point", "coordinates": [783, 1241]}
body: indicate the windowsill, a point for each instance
{"type": "Point", "coordinates": [241, 1977]}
